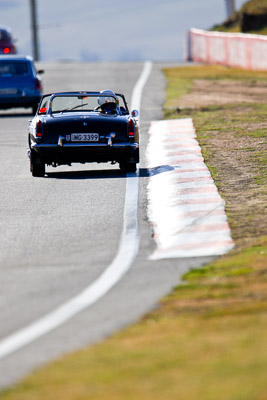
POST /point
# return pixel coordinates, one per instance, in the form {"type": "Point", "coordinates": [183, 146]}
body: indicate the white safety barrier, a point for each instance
{"type": "Point", "coordinates": [239, 50]}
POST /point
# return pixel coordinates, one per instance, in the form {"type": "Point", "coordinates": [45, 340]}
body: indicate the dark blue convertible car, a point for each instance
{"type": "Point", "coordinates": [83, 127]}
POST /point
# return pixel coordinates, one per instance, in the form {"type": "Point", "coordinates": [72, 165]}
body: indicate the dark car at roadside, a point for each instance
{"type": "Point", "coordinates": [83, 127]}
{"type": "Point", "coordinates": [7, 44]}
{"type": "Point", "coordinates": [20, 83]}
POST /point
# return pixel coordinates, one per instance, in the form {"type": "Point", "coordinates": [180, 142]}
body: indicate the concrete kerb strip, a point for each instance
{"type": "Point", "coordinates": [185, 208]}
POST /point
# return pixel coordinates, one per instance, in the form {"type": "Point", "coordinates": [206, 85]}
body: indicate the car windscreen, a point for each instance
{"type": "Point", "coordinates": [4, 35]}
{"type": "Point", "coordinates": [72, 103]}
{"type": "Point", "coordinates": [122, 103]}
{"type": "Point", "coordinates": [14, 68]}
{"type": "Point", "coordinates": [43, 106]}
{"type": "Point", "coordinates": [82, 102]}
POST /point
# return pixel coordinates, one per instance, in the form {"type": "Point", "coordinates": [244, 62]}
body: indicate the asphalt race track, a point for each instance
{"type": "Point", "coordinates": [59, 233]}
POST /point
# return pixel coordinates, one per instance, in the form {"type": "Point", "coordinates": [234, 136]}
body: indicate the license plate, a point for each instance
{"type": "Point", "coordinates": [8, 91]}
{"type": "Point", "coordinates": [84, 137]}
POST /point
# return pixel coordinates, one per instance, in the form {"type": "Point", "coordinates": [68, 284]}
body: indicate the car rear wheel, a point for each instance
{"type": "Point", "coordinates": [34, 108]}
{"type": "Point", "coordinates": [37, 169]}
{"type": "Point", "coordinates": [128, 167]}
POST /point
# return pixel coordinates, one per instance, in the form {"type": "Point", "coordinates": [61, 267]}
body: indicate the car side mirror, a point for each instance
{"type": "Point", "coordinates": [40, 71]}
{"type": "Point", "coordinates": [134, 113]}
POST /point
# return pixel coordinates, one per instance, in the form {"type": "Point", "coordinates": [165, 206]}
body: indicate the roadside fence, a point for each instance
{"type": "Point", "coordinates": [239, 50]}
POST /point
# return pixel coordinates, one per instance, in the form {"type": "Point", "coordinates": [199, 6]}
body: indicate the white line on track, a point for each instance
{"type": "Point", "coordinates": [128, 248]}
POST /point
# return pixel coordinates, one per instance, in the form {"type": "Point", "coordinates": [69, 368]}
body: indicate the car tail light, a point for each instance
{"type": "Point", "coordinates": [6, 50]}
{"type": "Point", "coordinates": [13, 49]}
{"type": "Point", "coordinates": [38, 85]}
{"type": "Point", "coordinates": [131, 127]}
{"type": "Point", "coordinates": [39, 129]}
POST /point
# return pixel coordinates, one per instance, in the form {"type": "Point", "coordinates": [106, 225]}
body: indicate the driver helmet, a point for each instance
{"type": "Point", "coordinates": [109, 97]}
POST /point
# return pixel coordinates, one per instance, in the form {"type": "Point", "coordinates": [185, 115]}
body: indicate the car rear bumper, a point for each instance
{"type": "Point", "coordinates": [84, 145]}
{"type": "Point", "coordinates": [86, 152]}
{"type": "Point", "coordinates": [16, 101]}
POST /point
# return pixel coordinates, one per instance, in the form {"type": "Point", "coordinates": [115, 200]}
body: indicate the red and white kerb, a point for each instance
{"type": "Point", "coordinates": [185, 208]}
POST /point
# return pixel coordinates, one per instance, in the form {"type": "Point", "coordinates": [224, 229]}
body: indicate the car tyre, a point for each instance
{"type": "Point", "coordinates": [37, 169]}
{"type": "Point", "coordinates": [34, 108]}
{"type": "Point", "coordinates": [131, 167]}
{"type": "Point", "coordinates": [127, 167]}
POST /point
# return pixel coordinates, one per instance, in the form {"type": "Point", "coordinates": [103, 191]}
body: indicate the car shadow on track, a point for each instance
{"type": "Point", "coordinates": [90, 174]}
{"type": "Point", "coordinates": [108, 173]}
{"type": "Point", "coordinates": [16, 115]}
{"type": "Point", "coordinates": [146, 172]}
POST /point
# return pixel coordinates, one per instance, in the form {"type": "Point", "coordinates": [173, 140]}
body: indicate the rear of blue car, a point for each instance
{"type": "Point", "coordinates": [19, 84]}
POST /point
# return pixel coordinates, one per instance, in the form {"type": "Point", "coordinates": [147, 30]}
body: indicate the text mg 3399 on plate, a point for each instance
{"type": "Point", "coordinates": [83, 127]}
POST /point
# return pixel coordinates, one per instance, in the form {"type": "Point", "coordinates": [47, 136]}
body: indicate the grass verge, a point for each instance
{"type": "Point", "coordinates": [250, 19]}
{"type": "Point", "coordinates": [207, 340]}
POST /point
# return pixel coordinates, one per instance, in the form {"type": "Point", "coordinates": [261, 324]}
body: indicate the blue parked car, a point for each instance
{"type": "Point", "coordinates": [20, 84]}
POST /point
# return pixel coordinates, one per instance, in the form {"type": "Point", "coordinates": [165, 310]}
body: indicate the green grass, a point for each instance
{"type": "Point", "coordinates": [234, 23]}
{"type": "Point", "coordinates": [189, 73]}
{"type": "Point", "coordinates": [255, 7]}
{"type": "Point", "coordinates": [207, 339]}
{"type": "Point", "coordinates": [244, 120]}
